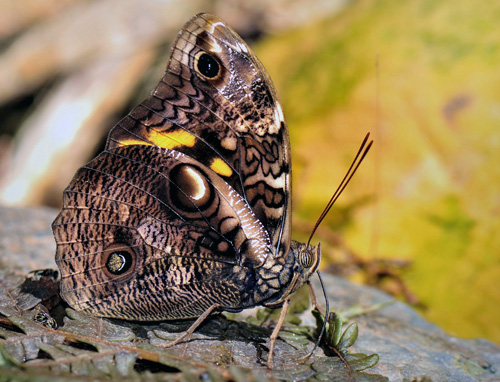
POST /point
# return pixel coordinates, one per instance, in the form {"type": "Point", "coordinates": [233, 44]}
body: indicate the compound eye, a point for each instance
{"type": "Point", "coordinates": [118, 260]}
{"type": "Point", "coordinates": [207, 65]}
{"type": "Point", "coordinates": [306, 259]}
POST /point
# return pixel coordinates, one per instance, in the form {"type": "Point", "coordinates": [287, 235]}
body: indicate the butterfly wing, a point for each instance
{"type": "Point", "coordinates": [217, 104]}
{"type": "Point", "coordinates": [149, 233]}
{"type": "Point", "coordinates": [190, 196]}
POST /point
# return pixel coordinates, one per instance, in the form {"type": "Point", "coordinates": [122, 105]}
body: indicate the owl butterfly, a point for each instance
{"type": "Point", "coordinates": [187, 211]}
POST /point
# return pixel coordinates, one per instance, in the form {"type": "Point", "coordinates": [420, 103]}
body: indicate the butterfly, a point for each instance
{"type": "Point", "coordinates": [187, 211]}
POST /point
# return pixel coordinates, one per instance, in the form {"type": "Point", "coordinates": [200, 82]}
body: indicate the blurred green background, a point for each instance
{"type": "Point", "coordinates": [422, 76]}
{"type": "Point", "coordinates": [429, 190]}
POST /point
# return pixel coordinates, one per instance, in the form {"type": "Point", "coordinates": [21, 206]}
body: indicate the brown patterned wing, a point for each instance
{"type": "Point", "coordinates": [148, 233]}
{"type": "Point", "coordinates": [217, 104]}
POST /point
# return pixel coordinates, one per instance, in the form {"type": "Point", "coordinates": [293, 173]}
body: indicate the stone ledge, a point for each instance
{"type": "Point", "coordinates": [409, 346]}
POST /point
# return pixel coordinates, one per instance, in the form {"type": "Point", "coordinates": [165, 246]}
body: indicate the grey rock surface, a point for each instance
{"type": "Point", "coordinates": [410, 347]}
{"type": "Point", "coordinates": [26, 240]}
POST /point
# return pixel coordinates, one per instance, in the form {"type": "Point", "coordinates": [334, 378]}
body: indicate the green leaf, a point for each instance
{"type": "Point", "coordinates": [334, 331]}
{"type": "Point", "coordinates": [349, 337]}
{"type": "Point", "coordinates": [318, 317]}
{"type": "Point", "coordinates": [361, 362]}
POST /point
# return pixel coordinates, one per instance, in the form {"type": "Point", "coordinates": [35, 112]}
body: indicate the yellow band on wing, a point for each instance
{"type": "Point", "coordinates": [221, 167]}
{"type": "Point", "coordinates": [171, 140]}
{"type": "Point", "coordinates": [130, 142]}
{"type": "Point", "coordinates": [178, 138]}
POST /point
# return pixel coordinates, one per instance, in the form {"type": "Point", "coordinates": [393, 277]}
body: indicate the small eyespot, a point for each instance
{"type": "Point", "coordinates": [118, 259]}
{"type": "Point", "coordinates": [306, 259]}
{"type": "Point", "coordinates": [207, 65]}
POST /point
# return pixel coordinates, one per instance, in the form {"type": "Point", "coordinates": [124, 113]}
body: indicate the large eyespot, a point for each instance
{"type": "Point", "coordinates": [118, 260]}
{"type": "Point", "coordinates": [306, 259]}
{"type": "Point", "coordinates": [190, 190]}
{"type": "Point", "coordinates": [207, 65]}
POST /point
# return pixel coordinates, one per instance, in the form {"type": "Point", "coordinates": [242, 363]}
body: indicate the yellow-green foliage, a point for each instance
{"type": "Point", "coordinates": [429, 190]}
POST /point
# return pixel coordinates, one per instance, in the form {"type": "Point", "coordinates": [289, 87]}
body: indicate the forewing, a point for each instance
{"type": "Point", "coordinates": [231, 122]}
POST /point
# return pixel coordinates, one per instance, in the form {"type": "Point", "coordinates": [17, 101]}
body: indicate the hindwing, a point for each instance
{"type": "Point", "coordinates": [155, 208]}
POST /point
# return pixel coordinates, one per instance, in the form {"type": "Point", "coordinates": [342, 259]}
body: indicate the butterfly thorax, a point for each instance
{"type": "Point", "coordinates": [281, 276]}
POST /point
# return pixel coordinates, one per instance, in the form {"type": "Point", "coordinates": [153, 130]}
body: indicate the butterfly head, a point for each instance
{"type": "Point", "coordinates": [301, 263]}
{"type": "Point", "coordinates": [307, 259]}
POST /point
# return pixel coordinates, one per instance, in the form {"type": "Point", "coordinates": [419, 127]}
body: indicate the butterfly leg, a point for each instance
{"type": "Point", "coordinates": [276, 331]}
{"type": "Point", "coordinates": [187, 334]}
{"type": "Point", "coordinates": [314, 301]}
{"type": "Point", "coordinates": [326, 314]}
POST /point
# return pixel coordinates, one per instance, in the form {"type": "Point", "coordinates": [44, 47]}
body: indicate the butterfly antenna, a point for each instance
{"type": "Point", "coordinates": [363, 150]}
